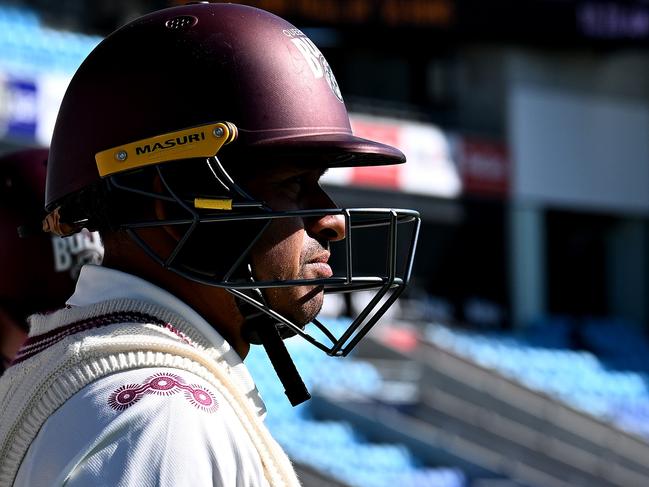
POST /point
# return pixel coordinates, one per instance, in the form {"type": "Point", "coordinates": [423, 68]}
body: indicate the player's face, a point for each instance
{"type": "Point", "coordinates": [295, 248]}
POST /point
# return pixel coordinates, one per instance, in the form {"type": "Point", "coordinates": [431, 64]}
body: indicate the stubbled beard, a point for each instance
{"type": "Point", "coordinates": [305, 310]}
{"type": "Point", "coordinates": [300, 310]}
{"type": "Point", "coordinates": [310, 305]}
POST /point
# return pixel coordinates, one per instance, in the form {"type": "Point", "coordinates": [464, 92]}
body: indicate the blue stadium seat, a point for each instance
{"type": "Point", "coordinates": [332, 446]}
{"type": "Point", "coordinates": [578, 378]}
{"type": "Point", "coordinates": [28, 47]}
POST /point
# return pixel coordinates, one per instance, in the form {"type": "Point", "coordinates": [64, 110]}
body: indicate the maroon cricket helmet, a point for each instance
{"type": "Point", "coordinates": [190, 65]}
{"type": "Point", "coordinates": [167, 92]}
{"type": "Point", "coordinates": [36, 271]}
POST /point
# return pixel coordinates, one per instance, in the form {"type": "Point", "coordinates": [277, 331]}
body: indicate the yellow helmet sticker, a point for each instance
{"type": "Point", "coordinates": [201, 141]}
{"type": "Point", "coordinates": [213, 203]}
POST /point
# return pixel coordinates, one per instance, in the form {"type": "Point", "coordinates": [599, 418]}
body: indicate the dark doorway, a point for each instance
{"type": "Point", "coordinates": [577, 263]}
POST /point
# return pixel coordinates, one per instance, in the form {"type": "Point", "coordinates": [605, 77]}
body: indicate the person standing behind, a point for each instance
{"type": "Point", "coordinates": [37, 273]}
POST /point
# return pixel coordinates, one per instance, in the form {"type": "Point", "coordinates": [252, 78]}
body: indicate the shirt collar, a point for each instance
{"type": "Point", "coordinates": [97, 284]}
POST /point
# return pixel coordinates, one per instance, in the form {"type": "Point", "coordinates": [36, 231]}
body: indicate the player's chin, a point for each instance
{"type": "Point", "coordinates": [308, 305]}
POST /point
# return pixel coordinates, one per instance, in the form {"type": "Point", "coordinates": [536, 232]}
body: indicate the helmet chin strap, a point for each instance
{"type": "Point", "coordinates": [260, 329]}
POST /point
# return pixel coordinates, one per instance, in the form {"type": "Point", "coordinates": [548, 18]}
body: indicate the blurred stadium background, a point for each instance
{"type": "Point", "coordinates": [519, 356]}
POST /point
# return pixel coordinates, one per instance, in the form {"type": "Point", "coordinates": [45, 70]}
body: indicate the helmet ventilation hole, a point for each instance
{"type": "Point", "coordinates": [181, 22]}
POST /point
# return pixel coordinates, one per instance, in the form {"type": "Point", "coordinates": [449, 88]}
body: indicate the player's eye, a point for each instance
{"type": "Point", "coordinates": [294, 185]}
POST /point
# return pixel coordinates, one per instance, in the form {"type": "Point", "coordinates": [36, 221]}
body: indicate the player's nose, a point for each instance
{"type": "Point", "coordinates": [326, 227]}
{"type": "Point", "coordinates": [329, 227]}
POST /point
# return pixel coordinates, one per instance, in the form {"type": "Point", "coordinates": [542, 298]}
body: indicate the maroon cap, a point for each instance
{"type": "Point", "coordinates": [38, 272]}
{"type": "Point", "coordinates": [190, 65]}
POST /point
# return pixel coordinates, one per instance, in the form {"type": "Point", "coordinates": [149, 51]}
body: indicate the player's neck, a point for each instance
{"type": "Point", "coordinates": [215, 305]}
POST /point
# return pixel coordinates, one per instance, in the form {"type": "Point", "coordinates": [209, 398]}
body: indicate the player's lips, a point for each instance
{"type": "Point", "coordinates": [319, 265]}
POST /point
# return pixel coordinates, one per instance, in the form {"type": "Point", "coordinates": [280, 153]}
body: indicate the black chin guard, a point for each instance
{"type": "Point", "coordinates": [261, 329]}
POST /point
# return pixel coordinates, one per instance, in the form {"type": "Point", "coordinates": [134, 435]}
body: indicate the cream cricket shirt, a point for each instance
{"type": "Point", "coordinates": [152, 426]}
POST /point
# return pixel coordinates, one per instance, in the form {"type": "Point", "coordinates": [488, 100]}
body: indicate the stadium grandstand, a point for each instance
{"type": "Point", "coordinates": [29, 47]}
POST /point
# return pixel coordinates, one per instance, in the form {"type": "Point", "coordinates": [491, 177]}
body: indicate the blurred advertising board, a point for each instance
{"type": "Point", "coordinates": [18, 108]}
{"type": "Point", "coordinates": [439, 164]}
{"type": "Point", "coordinates": [613, 20]}
{"type": "Point", "coordinates": [484, 165]}
{"type": "Point", "coordinates": [51, 91]}
{"type": "Point", "coordinates": [429, 171]}
{"type": "Point", "coordinates": [29, 105]}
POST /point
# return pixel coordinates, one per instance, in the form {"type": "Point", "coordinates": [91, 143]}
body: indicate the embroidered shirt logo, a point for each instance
{"type": "Point", "coordinates": [163, 385]}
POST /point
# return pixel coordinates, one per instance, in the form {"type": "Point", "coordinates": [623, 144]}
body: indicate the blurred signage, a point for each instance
{"type": "Point", "coordinates": [18, 108]}
{"type": "Point", "coordinates": [439, 164]}
{"type": "Point", "coordinates": [484, 166]}
{"type": "Point", "coordinates": [609, 20]}
{"type": "Point", "coordinates": [29, 106]}
{"type": "Point", "coordinates": [51, 89]}
{"type": "Point", "coordinates": [423, 13]}
{"type": "Point", "coordinates": [385, 176]}
{"type": "Point", "coordinates": [429, 171]}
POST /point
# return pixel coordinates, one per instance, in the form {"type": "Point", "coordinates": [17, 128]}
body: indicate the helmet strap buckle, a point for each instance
{"type": "Point", "coordinates": [260, 329]}
{"type": "Point", "coordinates": [274, 346]}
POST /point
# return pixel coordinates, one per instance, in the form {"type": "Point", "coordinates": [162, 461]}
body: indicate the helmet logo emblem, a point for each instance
{"type": "Point", "coordinates": [181, 22]}
{"type": "Point", "coordinates": [314, 59]}
{"type": "Point", "coordinates": [331, 80]}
